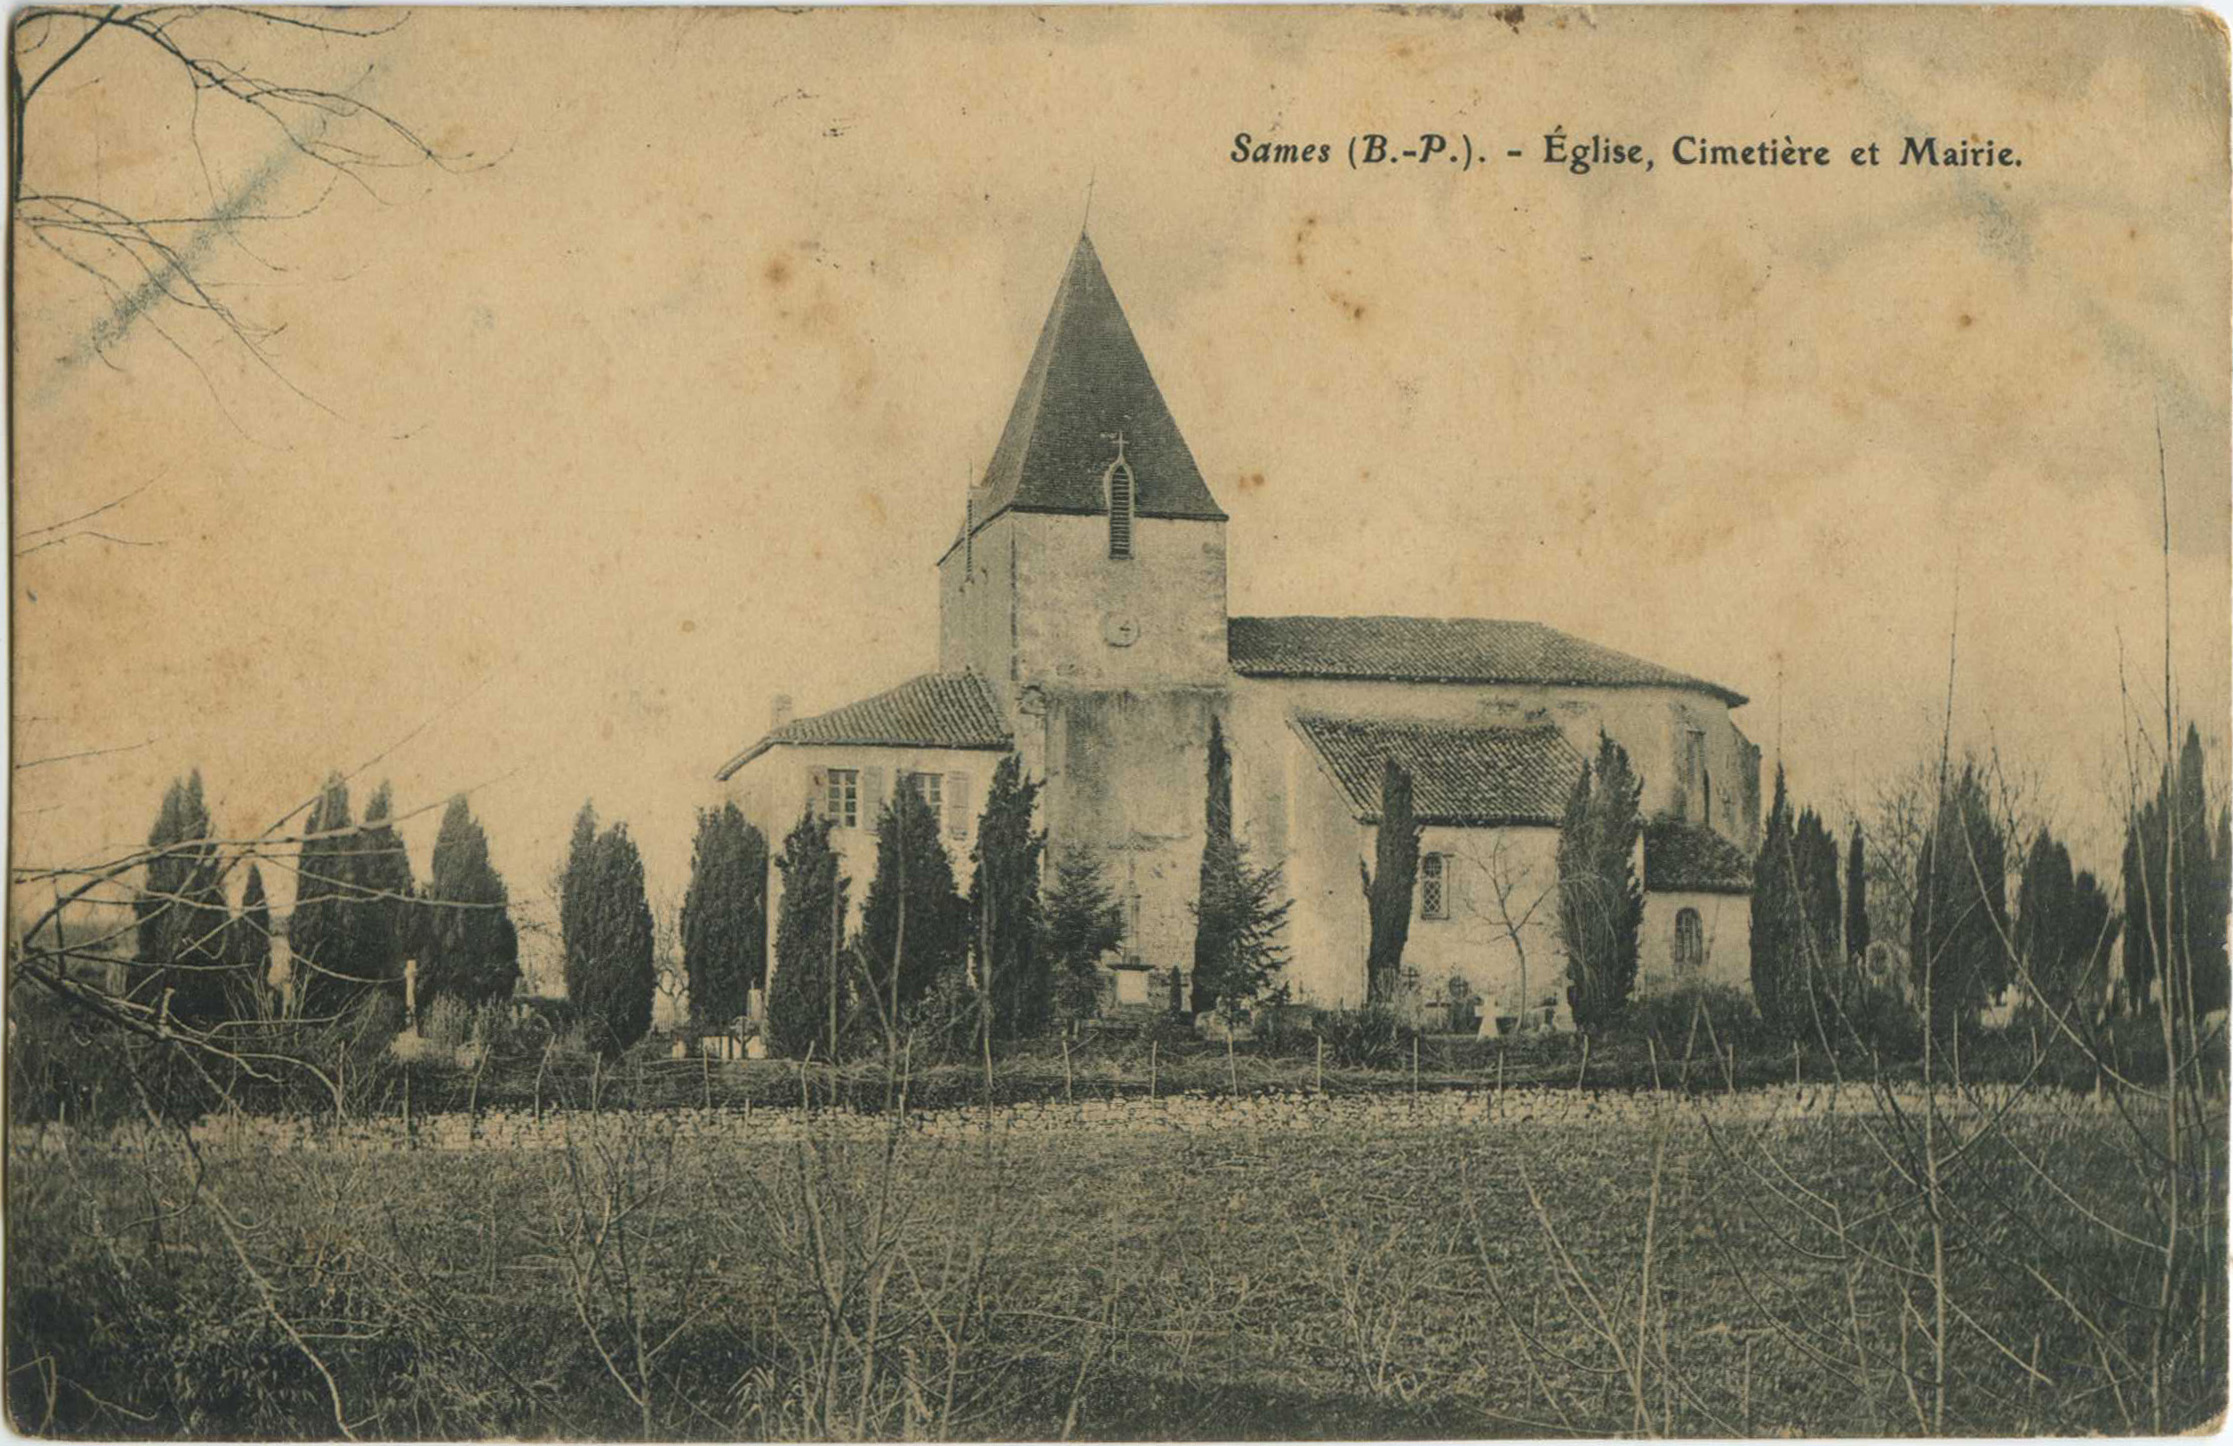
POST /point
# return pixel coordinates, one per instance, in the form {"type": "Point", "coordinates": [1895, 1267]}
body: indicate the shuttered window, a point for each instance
{"type": "Point", "coordinates": [931, 789]}
{"type": "Point", "coordinates": [1690, 940]}
{"type": "Point", "coordinates": [1120, 507]}
{"type": "Point", "coordinates": [843, 805]}
{"type": "Point", "coordinates": [957, 804]}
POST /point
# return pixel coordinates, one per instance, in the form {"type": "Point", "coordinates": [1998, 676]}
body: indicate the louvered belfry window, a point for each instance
{"type": "Point", "coordinates": [1119, 479]}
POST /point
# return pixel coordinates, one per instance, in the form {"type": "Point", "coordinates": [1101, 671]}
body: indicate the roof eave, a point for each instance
{"type": "Point", "coordinates": [1471, 820]}
{"type": "Point", "coordinates": [1273, 670]}
{"type": "Point", "coordinates": [728, 770]}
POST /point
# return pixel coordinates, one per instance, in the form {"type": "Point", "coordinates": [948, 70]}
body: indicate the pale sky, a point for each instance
{"type": "Point", "coordinates": [666, 400]}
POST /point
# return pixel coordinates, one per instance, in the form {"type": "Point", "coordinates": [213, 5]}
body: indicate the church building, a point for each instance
{"type": "Point", "coordinates": [1083, 625]}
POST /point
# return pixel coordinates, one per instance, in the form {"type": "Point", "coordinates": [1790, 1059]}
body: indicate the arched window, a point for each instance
{"type": "Point", "coordinates": [1120, 508]}
{"type": "Point", "coordinates": [1434, 886]}
{"type": "Point", "coordinates": [1690, 940]}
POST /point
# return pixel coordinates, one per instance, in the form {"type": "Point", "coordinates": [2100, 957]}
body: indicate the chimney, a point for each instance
{"type": "Point", "coordinates": [779, 711]}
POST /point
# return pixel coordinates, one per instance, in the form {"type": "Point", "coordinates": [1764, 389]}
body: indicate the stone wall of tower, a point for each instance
{"type": "Point", "coordinates": [1084, 619]}
{"type": "Point", "coordinates": [1109, 670]}
{"type": "Point", "coordinates": [977, 608]}
{"type": "Point", "coordinates": [1034, 599]}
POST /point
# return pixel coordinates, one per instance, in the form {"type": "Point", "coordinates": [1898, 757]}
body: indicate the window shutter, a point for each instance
{"type": "Point", "coordinates": [872, 796]}
{"type": "Point", "coordinates": [957, 804]}
{"type": "Point", "coordinates": [818, 792]}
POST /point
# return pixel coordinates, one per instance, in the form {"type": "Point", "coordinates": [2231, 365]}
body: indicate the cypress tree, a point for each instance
{"type": "Point", "coordinates": [1956, 931]}
{"type": "Point", "coordinates": [724, 915]}
{"type": "Point", "coordinates": [1004, 906]}
{"type": "Point", "coordinates": [1821, 962]}
{"type": "Point", "coordinates": [2064, 930]}
{"type": "Point", "coordinates": [1216, 879]}
{"type": "Point", "coordinates": [183, 927]}
{"type": "Point", "coordinates": [1389, 885]}
{"type": "Point", "coordinates": [322, 933]}
{"type": "Point", "coordinates": [814, 900]}
{"type": "Point", "coordinates": [1601, 904]}
{"type": "Point", "coordinates": [611, 979]}
{"type": "Point", "coordinates": [1856, 897]}
{"type": "Point", "coordinates": [1775, 944]}
{"type": "Point", "coordinates": [913, 923]}
{"type": "Point", "coordinates": [469, 948]}
{"type": "Point", "coordinates": [576, 884]}
{"type": "Point", "coordinates": [249, 949]}
{"type": "Point", "coordinates": [2182, 911]}
{"type": "Point", "coordinates": [388, 915]}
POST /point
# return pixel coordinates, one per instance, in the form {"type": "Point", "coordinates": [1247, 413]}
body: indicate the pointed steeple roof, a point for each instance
{"type": "Point", "coordinates": [1088, 384]}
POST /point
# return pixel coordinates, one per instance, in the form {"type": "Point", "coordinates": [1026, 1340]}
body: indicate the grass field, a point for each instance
{"type": "Point", "coordinates": [1661, 1272]}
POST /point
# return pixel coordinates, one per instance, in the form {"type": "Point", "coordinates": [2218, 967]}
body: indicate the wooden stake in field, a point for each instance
{"type": "Point", "coordinates": [1321, 1066]}
{"type": "Point", "coordinates": [1414, 1069]}
{"type": "Point", "coordinates": [1066, 1068]}
{"type": "Point", "coordinates": [1232, 1072]}
{"type": "Point", "coordinates": [1744, 1393]}
{"type": "Point", "coordinates": [1151, 1068]}
{"type": "Point", "coordinates": [1583, 1074]}
{"type": "Point", "coordinates": [1798, 1079]}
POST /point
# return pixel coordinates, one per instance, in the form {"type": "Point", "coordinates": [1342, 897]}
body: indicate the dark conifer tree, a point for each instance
{"type": "Point", "coordinates": [1217, 877]}
{"type": "Point", "coordinates": [1822, 964]}
{"type": "Point", "coordinates": [1856, 897]}
{"type": "Point", "coordinates": [2064, 931]}
{"type": "Point", "coordinates": [914, 926]}
{"type": "Point", "coordinates": [1956, 948]}
{"type": "Point", "coordinates": [1250, 906]}
{"type": "Point", "coordinates": [184, 928]}
{"type": "Point", "coordinates": [575, 884]}
{"type": "Point", "coordinates": [249, 950]}
{"type": "Point", "coordinates": [1600, 903]}
{"type": "Point", "coordinates": [610, 975]}
{"type": "Point", "coordinates": [724, 915]}
{"type": "Point", "coordinates": [1004, 907]}
{"type": "Point", "coordinates": [1775, 940]}
{"type": "Point", "coordinates": [2175, 889]}
{"type": "Point", "coordinates": [388, 917]}
{"type": "Point", "coordinates": [469, 949]}
{"type": "Point", "coordinates": [1084, 924]}
{"type": "Point", "coordinates": [802, 990]}
{"type": "Point", "coordinates": [322, 932]}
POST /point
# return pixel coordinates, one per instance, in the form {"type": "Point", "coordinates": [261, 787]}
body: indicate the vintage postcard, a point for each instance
{"type": "Point", "coordinates": [1118, 723]}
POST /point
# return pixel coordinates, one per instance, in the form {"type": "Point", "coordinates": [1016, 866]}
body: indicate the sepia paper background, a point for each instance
{"type": "Point", "coordinates": [661, 397]}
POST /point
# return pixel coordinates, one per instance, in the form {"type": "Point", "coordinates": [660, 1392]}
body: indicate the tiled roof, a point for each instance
{"type": "Point", "coordinates": [1690, 858]}
{"type": "Point", "coordinates": [936, 710]}
{"type": "Point", "coordinates": [1460, 774]}
{"type": "Point", "coordinates": [1442, 650]}
{"type": "Point", "coordinates": [1086, 383]}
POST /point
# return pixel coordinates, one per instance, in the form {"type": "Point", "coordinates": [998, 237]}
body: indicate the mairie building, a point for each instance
{"type": "Point", "coordinates": [1084, 625]}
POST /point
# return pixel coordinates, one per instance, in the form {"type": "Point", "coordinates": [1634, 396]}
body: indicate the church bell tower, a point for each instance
{"type": "Point", "coordinates": [1092, 554]}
